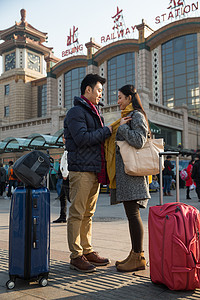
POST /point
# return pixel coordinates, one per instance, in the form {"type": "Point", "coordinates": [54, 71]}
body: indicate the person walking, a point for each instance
{"type": "Point", "coordinates": [132, 191]}
{"type": "Point", "coordinates": [189, 180]}
{"type": "Point", "coordinates": [64, 193]}
{"type": "Point", "coordinates": [167, 175]}
{"type": "Point", "coordinates": [2, 179]}
{"type": "Point", "coordinates": [12, 179]}
{"type": "Point", "coordinates": [196, 174]}
{"type": "Point", "coordinates": [59, 181]}
{"type": "Point", "coordinates": [85, 134]}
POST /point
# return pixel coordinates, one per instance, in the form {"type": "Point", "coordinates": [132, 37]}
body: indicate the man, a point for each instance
{"type": "Point", "coordinates": [85, 134]}
{"type": "Point", "coordinates": [12, 179]}
{"type": "Point", "coordinates": [64, 193]}
{"type": "Point", "coordinates": [196, 174]}
{"type": "Point", "coordinates": [167, 175]}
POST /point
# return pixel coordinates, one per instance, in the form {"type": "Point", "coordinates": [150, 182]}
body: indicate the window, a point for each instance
{"type": "Point", "coordinates": [6, 111]}
{"type": "Point", "coordinates": [7, 89]}
{"type": "Point", "coordinates": [180, 73]}
{"type": "Point", "coordinates": [121, 71]}
{"type": "Point", "coordinates": [42, 100]}
{"type": "Point", "coordinates": [73, 80]}
{"type": "Point", "coordinates": [171, 136]}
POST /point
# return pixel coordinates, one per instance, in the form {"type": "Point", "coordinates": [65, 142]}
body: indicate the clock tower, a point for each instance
{"type": "Point", "coordinates": [23, 61]}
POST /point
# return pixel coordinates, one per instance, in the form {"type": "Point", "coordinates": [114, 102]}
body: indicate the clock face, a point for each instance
{"type": "Point", "coordinates": [10, 61]}
{"type": "Point", "coordinates": [33, 62]}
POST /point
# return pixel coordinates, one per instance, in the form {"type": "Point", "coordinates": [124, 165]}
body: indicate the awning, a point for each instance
{"type": "Point", "coordinates": [182, 151]}
{"type": "Point", "coordinates": [34, 141]}
{"type": "Point", "coordinates": [154, 128]}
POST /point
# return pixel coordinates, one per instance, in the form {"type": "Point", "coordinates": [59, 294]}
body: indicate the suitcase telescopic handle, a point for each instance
{"type": "Point", "coordinates": [34, 232]}
{"type": "Point", "coordinates": [177, 174]}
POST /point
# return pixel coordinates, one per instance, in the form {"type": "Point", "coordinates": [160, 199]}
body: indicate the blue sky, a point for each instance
{"type": "Point", "coordinates": [93, 19]}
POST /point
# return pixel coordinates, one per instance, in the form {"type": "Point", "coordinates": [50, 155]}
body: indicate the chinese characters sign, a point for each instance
{"type": "Point", "coordinates": [174, 5]}
{"type": "Point", "coordinates": [117, 19]}
{"type": "Point", "coordinates": [177, 8]}
{"type": "Point", "coordinates": [72, 37]}
{"type": "Point", "coordinates": [119, 28]}
{"type": "Point", "coordinates": [72, 40]}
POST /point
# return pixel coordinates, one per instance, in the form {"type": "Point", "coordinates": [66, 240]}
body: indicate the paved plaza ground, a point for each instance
{"type": "Point", "coordinates": [110, 239]}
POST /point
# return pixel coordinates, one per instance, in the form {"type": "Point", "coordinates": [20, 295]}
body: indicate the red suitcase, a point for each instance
{"type": "Point", "coordinates": [174, 246]}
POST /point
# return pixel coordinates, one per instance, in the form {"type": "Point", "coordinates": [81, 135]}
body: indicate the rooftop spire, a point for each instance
{"type": "Point", "coordinates": [23, 15]}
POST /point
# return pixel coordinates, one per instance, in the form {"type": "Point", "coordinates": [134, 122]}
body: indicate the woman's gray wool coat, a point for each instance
{"type": "Point", "coordinates": [132, 187]}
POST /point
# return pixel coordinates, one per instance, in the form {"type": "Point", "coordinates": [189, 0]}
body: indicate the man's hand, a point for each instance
{"type": "Point", "coordinates": [65, 178]}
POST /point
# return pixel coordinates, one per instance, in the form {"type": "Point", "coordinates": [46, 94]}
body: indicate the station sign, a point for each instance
{"type": "Point", "coordinates": [177, 9]}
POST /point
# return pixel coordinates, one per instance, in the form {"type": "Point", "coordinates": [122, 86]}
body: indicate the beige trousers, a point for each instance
{"type": "Point", "coordinates": [84, 191]}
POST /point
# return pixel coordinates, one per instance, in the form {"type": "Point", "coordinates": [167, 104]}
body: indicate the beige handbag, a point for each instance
{"type": "Point", "coordinates": [144, 161]}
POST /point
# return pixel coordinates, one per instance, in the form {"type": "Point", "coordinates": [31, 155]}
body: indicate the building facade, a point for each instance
{"type": "Point", "coordinates": [37, 89]}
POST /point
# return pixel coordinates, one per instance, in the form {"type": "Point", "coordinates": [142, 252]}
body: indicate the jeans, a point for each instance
{"type": "Point", "coordinates": [84, 191]}
{"type": "Point", "coordinates": [167, 183]}
{"type": "Point", "coordinates": [58, 186]}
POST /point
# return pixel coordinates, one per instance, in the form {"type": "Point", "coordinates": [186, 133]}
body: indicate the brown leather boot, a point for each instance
{"type": "Point", "coordinates": [169, 194]}
{"type": "Point", "coordinates": [135, 262]}
{"type": "Point", "coordinates": [118, 262]}
{"type": "Point", "coordinates": [165, 194]}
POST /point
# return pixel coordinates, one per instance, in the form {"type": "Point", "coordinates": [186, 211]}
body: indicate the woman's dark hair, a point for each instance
{"type": "Point", "coordinates": [130, 90]}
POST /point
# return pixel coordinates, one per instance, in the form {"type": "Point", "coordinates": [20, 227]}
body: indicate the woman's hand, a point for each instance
{"type": "Point", "coordinates": [110, 128]}
{"type": "Point", "coordinates": [125, 120]}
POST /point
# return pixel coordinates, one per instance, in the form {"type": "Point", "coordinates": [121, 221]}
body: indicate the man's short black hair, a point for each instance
{"type": "Point", "coordinates": [10, 162]}
{"type": "Point", "coordinates": [91, 80]}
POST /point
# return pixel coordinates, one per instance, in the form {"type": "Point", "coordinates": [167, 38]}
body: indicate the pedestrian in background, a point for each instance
{"type": "Point", "coordinates": [12, 178]}
{"type": "Point", "coordinates": [196, 174]}
{"type": "Point", "coordinates": [2, 179]}
{"type": "Point", "coordinates": [64, 193]}
{"type": "Point", "coordinates": [59, 181]}
{"type": "Point", "coordinates": [189, 180]}
{"type": "Point", "coordinates": [132, 191]}
{"type": "Point", "coordinates": [167, 175]}
{"type": "Point", "coordinates": [85, 134]}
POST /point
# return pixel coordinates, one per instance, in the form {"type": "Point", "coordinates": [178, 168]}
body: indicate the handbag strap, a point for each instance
{"type": "Point", "coordinates": [38, 162]}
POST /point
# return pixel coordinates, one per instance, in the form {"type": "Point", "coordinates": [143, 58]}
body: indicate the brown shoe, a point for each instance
{"type": "Point", "coordinates": [135, 262]}
{"type": "Point", "coordinates": [119, 262]}
{"type": "Point", "coordinates": [96, 260]}
{"type": "Point", "coordinates": [81, 264]}
{"type": "Point", "coordinates": [165, 194]}
{"type": "Point", "coordinates": [169, 194]}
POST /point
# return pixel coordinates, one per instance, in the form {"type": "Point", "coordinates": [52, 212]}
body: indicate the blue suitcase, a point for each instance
{"type": "Point", "coordinates": [29, 235]}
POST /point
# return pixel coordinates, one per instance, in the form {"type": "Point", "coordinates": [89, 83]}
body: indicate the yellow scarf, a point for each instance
{"type": "Point", "coordinates": [110, 147]}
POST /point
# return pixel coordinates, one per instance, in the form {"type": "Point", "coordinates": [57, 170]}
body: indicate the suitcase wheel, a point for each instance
{"type": "Point", "coordinates": [43, 281]}
{"type": "Point", "coordinates": [10, 284]}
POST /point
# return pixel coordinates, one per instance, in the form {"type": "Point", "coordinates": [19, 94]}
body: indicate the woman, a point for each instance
{"type": "Point", "coordinates": [189, 180]}
{"type": "Point", "coordinates": [132, 191]}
